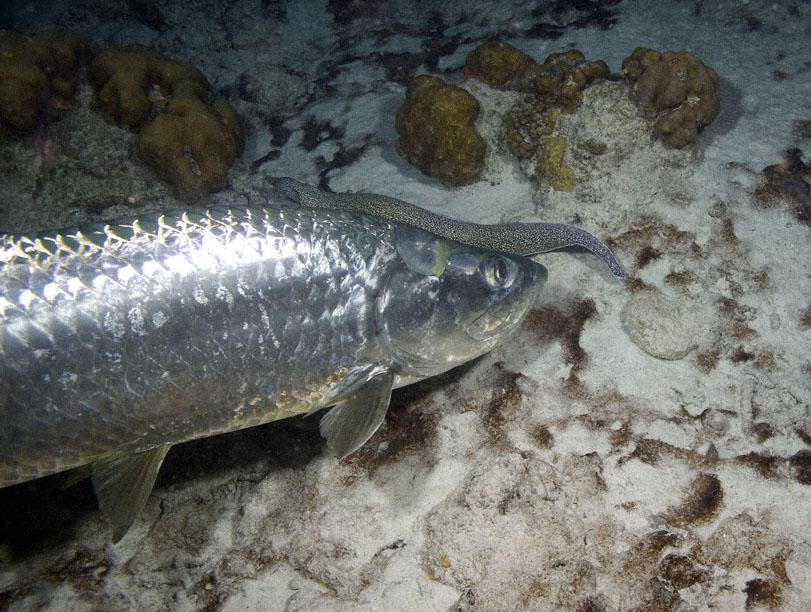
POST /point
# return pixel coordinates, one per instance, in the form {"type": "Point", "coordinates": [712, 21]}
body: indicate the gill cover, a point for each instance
{"type": "Point", "coordinates": [449, 303]}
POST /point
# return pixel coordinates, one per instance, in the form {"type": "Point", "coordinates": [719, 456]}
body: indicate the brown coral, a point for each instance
{"type": "Point", "coordinates": [557, 87]}
{"type": "Point", "coordinates": [527, 123]}
{"type": "Point", "coordinates": [675, 90]}
{"type": "Point", "coordinates": [189, 139]}
{"type": "Point", "coordinates": [550, 163]}
{"type": "Point", "coordinates": [191, 145]}
{"type": "Point", "coordinates": [437, 133]}
{"type": "Point", "coordinates": [561, 79]}
{"type": "Point", "coordinates": [497, 64]}
{"type": "Point", "coordinates": [124, 79]}
{"type": "Point", "coordinates": [36, 71]}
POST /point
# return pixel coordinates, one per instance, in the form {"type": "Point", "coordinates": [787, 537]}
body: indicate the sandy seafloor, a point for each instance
{"type": "Point", "coordinates": [568, 469]}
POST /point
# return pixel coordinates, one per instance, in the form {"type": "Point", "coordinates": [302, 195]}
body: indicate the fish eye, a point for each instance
{"type": "Point", "coordinates": [498, 271]}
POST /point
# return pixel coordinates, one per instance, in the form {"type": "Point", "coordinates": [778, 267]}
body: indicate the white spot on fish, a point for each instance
{"type": "Point", "coordinates": [151, 268]}
{"type": "Point", "coordinates": [4, 305]}
{"type": "Point", "coordinates": [67, 378]}
{"type": "Point", "coordinates": [179, 265]}
{"type": "Point", "coordinates": [26, 297]}
{"type": "Point", "coordinates": [113, 325]}
{"type": "Point", "coordinates": [112, 358]}
{"type": "Point", "coordinates": [51, 291]}
{"type": "Point", "coordinates": [99, 282]}
{"type": "Point", "coordinates": [265, 318]}
{"type": "Point", "coordinates": [226, 296]}
{"type": "Point", "coordinates": [200, 296]}
{"type": "Point", "coordinates": [136, 318]}
{"type": "Point", "coordinates": [41, 353]}
{"type": "Point", "coordinates": [126, 273]}
{"type": "Point", "coordinates": [75, 285]}
{"type": "Point", "coordinates": [158, 319]}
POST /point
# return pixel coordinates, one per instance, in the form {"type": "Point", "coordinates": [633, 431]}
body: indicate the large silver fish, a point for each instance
{"type": "Point", "coordinates": [116, 343]}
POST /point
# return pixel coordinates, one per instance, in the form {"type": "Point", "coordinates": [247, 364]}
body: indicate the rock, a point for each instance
{"type": "Point", "coordinates": [659, 325]}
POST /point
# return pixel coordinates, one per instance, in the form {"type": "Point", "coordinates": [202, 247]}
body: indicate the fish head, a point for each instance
{"type": "Point", "coordinates": [446, 303]}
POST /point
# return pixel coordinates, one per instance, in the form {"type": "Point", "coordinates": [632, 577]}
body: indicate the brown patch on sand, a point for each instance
{"type": "Point", "coordinates": [648, 228]}
{"type": "Point", "coordinates": [741, 330]}
{"type": "Point", "coordinates": [681, 571]}
{"type": "Point", "coordinates": [805, 317]}
{"type": "Point", "coordinates": [646, 255]}
{"type": "Point", "coordinates": [762, 431]}
{"type": "Point", "coordinates": [761, 592]}
{"type": "Point", "coordinates": [765, 465]}
{"type": "Point", "coordinates": [542, 437]}
{"type": "Point", "coordinates": [681, 279]}
{"type": "Point", "coordinates": [702, 503]}
{"type": "Point", "coordinates": [86, 570]}
{"type": "Point", "coordinates": [504, 403]}
{"type": "Point", "coordinates": [566, 327]}
{"type": "Point", "coordinates": [800, 467]}
{"type": "Point", "coordinates": [707, 360]}
{"type": "Point", "coordinates": [650, 451]}
{"type": "Point", "coordinates": [788, 180]}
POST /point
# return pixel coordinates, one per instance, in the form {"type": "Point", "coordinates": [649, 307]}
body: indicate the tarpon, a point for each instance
{"type": "Point", "coordinates": [118, 342]}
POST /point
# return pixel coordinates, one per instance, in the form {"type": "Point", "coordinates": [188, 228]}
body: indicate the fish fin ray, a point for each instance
{"type": "Point", "coordinates": [75, 476]}
{"type": "Point", "coordinates": [352, 422]}
{"type": "Point", "coordinates": [355, 379]}
{"type": "Point", "coordinates": [123, 485]}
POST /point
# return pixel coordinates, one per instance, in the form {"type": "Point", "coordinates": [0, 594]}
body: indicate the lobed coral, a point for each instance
{"type": "Point", "coordinates": [189, 139]}
{"type": "Point", "coordinates": [38, 71]}
{"type": "Point", "coordinates": [551, 164]}
{"type": "Point", "coordinates": [124, 79]}
{"type": "Point", "coordinates": [556, 87]}
{"type": "Point", "coordinates": [497, 64]}
{"type": "Point", "coordinates": [436, 131]}
{"type": "Point", "coordinates": [675, 90]}
{"type": "Point", "coordinates": [527, 123]}
{"type": "Point", "coordinates": [191, 145]}
{"type": "Point", "coordinates": [561, 79]}
{"type": "Point", "coordinates": [435, 124]}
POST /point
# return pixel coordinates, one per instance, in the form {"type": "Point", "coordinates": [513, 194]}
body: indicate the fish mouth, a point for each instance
{"type": "Point", "coordinates": [494, 322]}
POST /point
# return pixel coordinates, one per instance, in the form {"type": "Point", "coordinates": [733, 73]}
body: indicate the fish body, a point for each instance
{"type": "Point", "coordinates": [116, 343]}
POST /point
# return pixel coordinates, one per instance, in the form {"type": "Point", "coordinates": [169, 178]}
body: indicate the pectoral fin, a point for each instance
{"type": "Point", "coordinates": [355, 379]}
{"type": "Point", "coordinates": [123, 485]}
{"type": "Point", "coordinates": [349, 424]}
